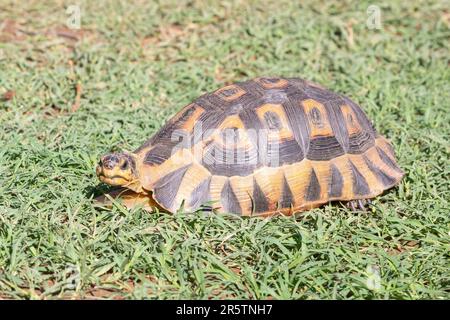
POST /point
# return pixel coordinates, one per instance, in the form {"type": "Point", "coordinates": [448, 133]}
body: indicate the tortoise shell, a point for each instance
{"type": "Point", "coordinates": [264, 146]}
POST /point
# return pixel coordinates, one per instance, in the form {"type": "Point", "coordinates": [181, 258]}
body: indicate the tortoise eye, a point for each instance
{"type": "Point", "coordinates": [124, 166]}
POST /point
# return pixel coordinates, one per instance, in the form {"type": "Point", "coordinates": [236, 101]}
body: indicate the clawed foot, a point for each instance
{"type": "Point", "coordinates": [360, 204]}
{"type": "Point", "coordinates": [127, 198]}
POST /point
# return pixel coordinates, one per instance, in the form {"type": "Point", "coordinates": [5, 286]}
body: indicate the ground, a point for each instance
{"type": "Point", "coordinates": [70, 95]}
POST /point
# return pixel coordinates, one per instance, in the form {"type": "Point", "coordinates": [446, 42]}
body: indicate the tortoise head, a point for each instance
{"type": "Point", "coordinates": [118, 169]}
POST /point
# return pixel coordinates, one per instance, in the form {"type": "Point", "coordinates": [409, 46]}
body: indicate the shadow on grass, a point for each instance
{"type": "Point", "coordinates": [98, 190]}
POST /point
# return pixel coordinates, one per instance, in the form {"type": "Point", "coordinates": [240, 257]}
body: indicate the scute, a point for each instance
{"type": "Point", "coordinates": [360, 186]}
{"type": "Point", "coordinates": [336, 183]}
{"type": "Point", "coordinates": [166, 188]}
{"type": "Point", "coordinates": [327, 150]}
{"type": "Point", "coordinates": [313, 191]}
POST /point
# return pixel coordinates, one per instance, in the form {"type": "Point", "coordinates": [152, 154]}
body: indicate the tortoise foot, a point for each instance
{"type": "Point", "coordinates": [360, 204]}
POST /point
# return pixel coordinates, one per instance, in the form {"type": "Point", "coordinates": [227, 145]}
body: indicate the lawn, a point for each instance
{"type": "Point", "coordinates": [68, 96]}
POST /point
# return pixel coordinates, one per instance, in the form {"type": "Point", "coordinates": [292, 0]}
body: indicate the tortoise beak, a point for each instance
{"type": "Point", "coordinates": [115, 169]}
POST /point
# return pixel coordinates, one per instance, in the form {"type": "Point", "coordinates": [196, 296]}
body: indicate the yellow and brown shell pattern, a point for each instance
{"type": "Point", "coordinates": [264, 146]}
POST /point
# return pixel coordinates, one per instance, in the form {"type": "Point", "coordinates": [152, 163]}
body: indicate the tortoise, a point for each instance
{"type": "Point", "coordinates": [257, 148]}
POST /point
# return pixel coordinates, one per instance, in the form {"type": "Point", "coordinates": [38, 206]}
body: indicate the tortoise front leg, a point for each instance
{"type": "Point", "coordinates": [127, 198]}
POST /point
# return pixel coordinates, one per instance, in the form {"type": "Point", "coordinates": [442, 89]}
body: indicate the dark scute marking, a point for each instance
{"type": "Point", "coordinates": [337, 122]}
{"type": "Point", "coordinates": [313, 192]}
{"type": "Point", "coordinates": [281, 153]}
{"type": "Point", "coordinates": [228, 92]}
{"type": "Point", "coordinates": [298, 122]}
{"type": "Point", "coordinates": [185, 115]}
{"type": "Point", "coordinates": [386, 159]}
{"type": "Point", "coordinates": [269, 80]}
{"type": "Point", "coordinates": [319, 94]}
{"type": "Point", "coordinates": [336, 183]}
{"type": "Point", "coordinates": [167, 187]}
{"type": "Point", "coordinates": [253, 89]}
{"type": "Point", "coordinates": [287, 199]}
{"type": "Point", "coordinates": [296, 86]}
{"type": "Point", "coordinates": [230, 107]}
{"type": "Point", "coordinates": [291, 90]}
{"type": "Point", "coordinates": [384, 178]}
{"type": "Point", "coordinates": [229, 200]}
{"type": "Point", "coordinates": [209, 122]}
{"type": "Point", "coordinates": [259, 200]}
{"type": "Point", "coordinates": [350, 119]}
{"type": "Point", "coordinates": [160, 153]}
{"type": "Point", "coordinates": [200, 194]}
{"type": "Point", "coordinates": [361, 117]}
{"type": "Point", "coordinates": [220, 105]}
{"type": "Point", "coordinates": [212, 103]}
{"type": "Point", "coordinates": [163, 134]}
{"type": "Point", "coordinates": [275, 96]}
{"type": "Point", "coordinates": [208, 104]}
{"type": "Point", "coordinates": [251, 122]}
{"type": "Point", "coordinates": [234, 108]}
{"type": "Point", "coordinates": [272, 120]}
{"type": "Point", "coordinates": [324, 148]}
{"type": "Point", "coordinates": [222, 161]}
{"type": "Point", "coordinates": [360, 186]}
{"type": "Point", "coordinates": [360, 142]}
{"type": "Point", "coordinates": [316, 117]}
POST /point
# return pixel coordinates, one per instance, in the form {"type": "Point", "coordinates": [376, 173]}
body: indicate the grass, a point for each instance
{"type": "Point", "coordinates": [137, 65]}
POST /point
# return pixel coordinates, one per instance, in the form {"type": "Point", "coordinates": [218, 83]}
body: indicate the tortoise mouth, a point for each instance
{"type": "Point", "coordinates": [112, 177]}
{"type": "Point", "coordinates": [114, 180]}
{"type": "Point", "coordinates": [116, 169]}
